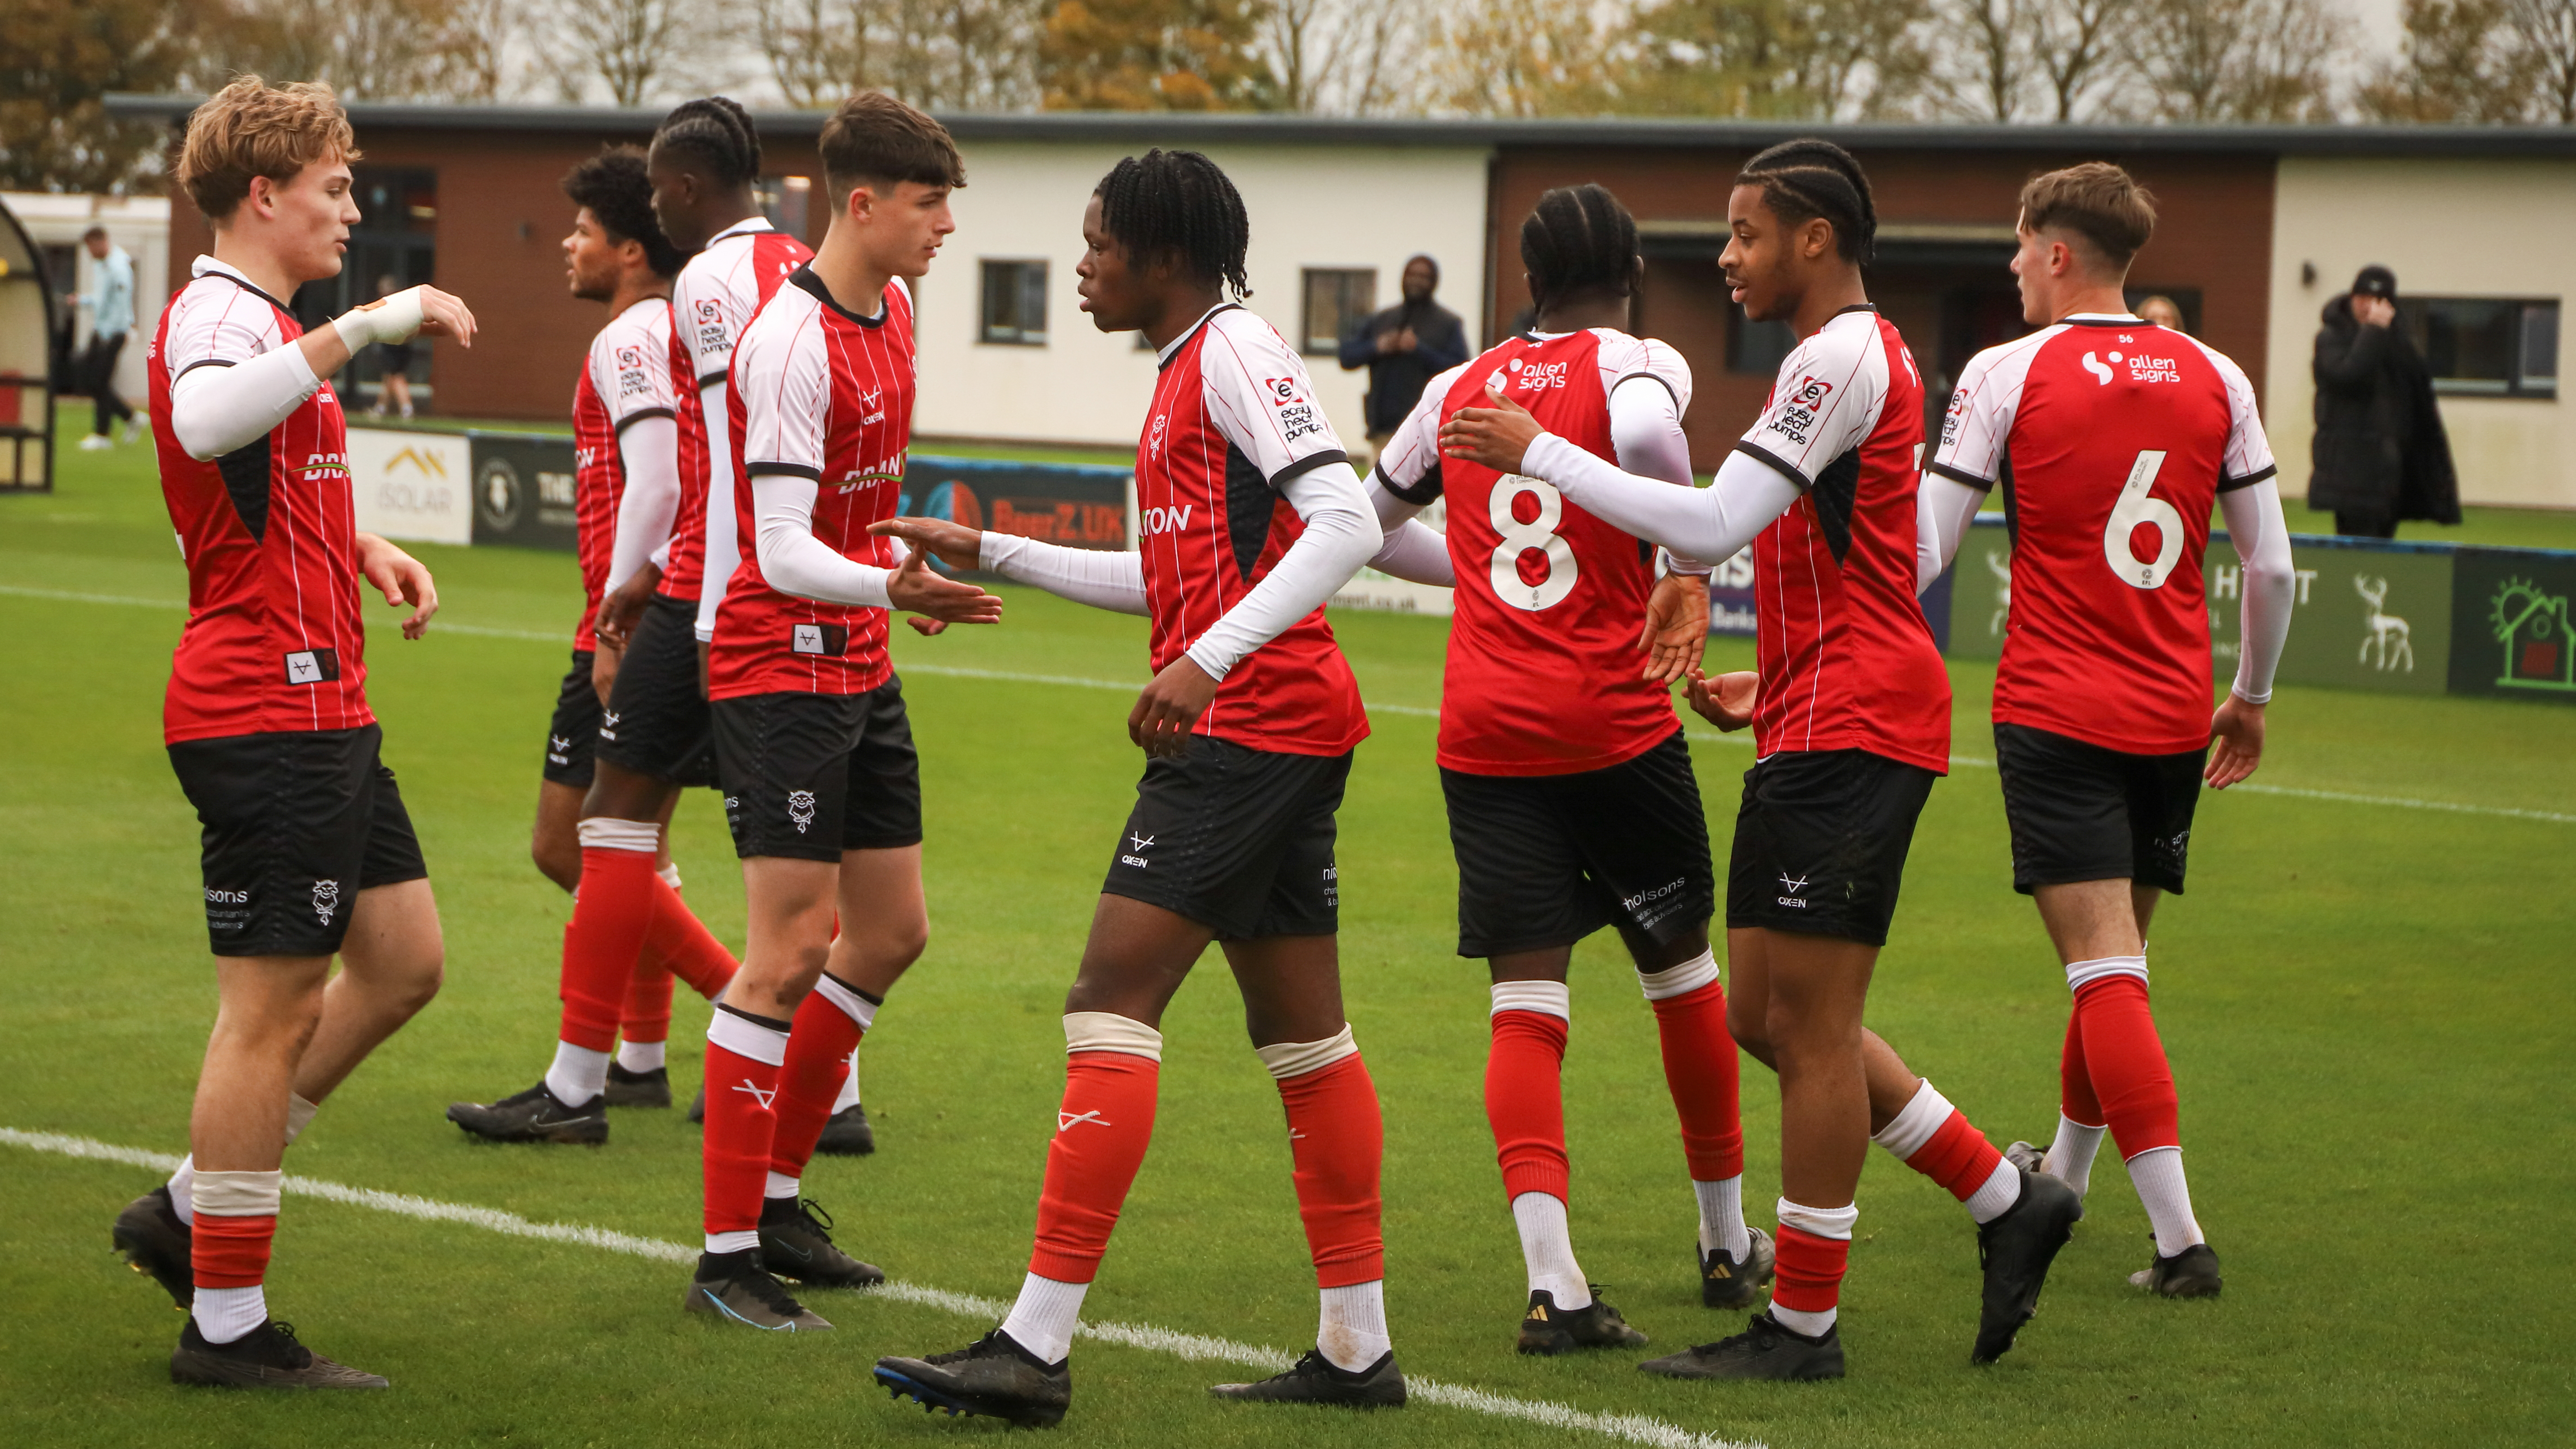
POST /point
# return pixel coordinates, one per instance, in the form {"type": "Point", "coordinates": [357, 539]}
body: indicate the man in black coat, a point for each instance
{"type": "Point", "coordinates": [1404, 347]}
{"type": "Point", "coordinates": [2380, 454]}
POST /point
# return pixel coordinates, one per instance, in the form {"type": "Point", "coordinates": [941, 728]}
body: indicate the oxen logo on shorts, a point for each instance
{"type": "Point", "coordinates": [800, 808]}
{"type": "Point", "coordinates": [326, 899]}
{"type": "Point", "coordinates": [1795, 889]}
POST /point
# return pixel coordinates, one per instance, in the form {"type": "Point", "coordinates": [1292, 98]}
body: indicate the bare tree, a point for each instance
{"type": "Point", "coordinates": [1342, 56]}
{"type": "Point", "coordinates": [2072, 47]}
{"type": "Point", "coordinates": [2238, 60]}
{"type": "Point", "coordinates": [2544, 40]}
{"type": "Point", "coordinates": [957, 54]}
{"type": "Point", "coordinates": [814, 47]}
{"type": "Point", "coordinates": [624, 45]}
{"type": "Point", "coordinates": [2457, 63]}
{"type": "Point", "coordinates": [1791, 59]}
{"type": "Point", "coordinates": [1988, 70]}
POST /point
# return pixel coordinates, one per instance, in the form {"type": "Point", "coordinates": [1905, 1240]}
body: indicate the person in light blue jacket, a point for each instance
{"type": "Point", "coordinates": [110, 300]}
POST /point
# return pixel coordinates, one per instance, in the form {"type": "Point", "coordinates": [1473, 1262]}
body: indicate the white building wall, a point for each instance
{"type": "Point", "coordinates": [2446, 227]}
{"type": "Point", "coordinates": [1310, 206]}
{"type": "Point", "coordinates": [141, 225]}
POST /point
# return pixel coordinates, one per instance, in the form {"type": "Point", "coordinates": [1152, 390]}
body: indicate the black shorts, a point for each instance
{"type": "Point", "coordinates": [1546, 860]}
{"type": "Point", "coordinates": [807, 776]}
{"type": "Point", "coordinates": [656, 722]}
{"type": "Point", "coordinates": [1237, 839]}
{"type": "Point", "coordinates": [2080, 812]}
{"type": "Point", "coordinates": [574, 732]}
{"type": "Point", "coordinates": [296, 824]}
{"type": "Point", "coordinates": [1820, 843]}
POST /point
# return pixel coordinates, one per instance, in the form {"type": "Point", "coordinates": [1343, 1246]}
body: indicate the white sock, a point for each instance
{"type": "Point", "coordinates": [1353, 1333]}
{"type": "Point", "coordinates": [578, 1075]}
{"type": "Point", "coordinates": [1798, 1320]}
{"type": "Point", "coordinates": [732, 1242]}
{"type": "Point", "coordinates": [2070, 1157]}
{"type": "Point", "coordinates": [1042, 1320]}
{"type": "Point", "coordinates": [2001, 1190]}
{"type": "Point", "coordinates": [1547, 1249]}
{"type": "Point", "coordinates": [225, 1314]}
{"type": "Point", "coordinates": [849, 1088]}
{"type": "Point", "coordinates": [183, 1189]}
{"type": "Point", "coordinates": [299, 1115]}
{"type": "Point", "coordinates": [781, 1185]}
{"type": "Point", "coordinates": [640, 1057]}
{"type": "Point", "coordinates": [670, 874]}
{"type": "Point", "coordinates": [1721, 1216]}
{"type": "Point", "coordinates": [2159, 1178]}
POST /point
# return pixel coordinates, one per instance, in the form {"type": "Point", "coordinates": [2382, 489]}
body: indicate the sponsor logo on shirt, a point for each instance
{"type": "Point", "coordinates": [1154, 437]}
{"type": "Point", "coordinates": [325, 468]}
{"type": "Point", "coordinates": [1538, 376]}
{"type": "Point", "coordinates": [312, 666]}
{"type": "Point", "coordinates": [630, 357]}
{"type": "Point", "coordinates": [711, 327]}
{"type": "Point", "coordinates": [1164, 520]}
{"type": "Point", "coordinates": [1794, 416]}
{"type": "Point", "coordinates": [829, 641]}
{"type": "Point", "coordinates": [1951, 420]}
{"type": "Point", "coordinates": [1296, 414]}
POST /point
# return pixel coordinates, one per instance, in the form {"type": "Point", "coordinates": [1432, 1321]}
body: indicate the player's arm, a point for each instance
{"type": "Point", "coordinates": [1405, 481]}
{"type": "Point", "coordinates": [229, 393]}
{"type": "Point", "coordinates": [404, 580]}
{"type": "Point", "coordinates": [1646, 437]}
{"type": "Point", "coordinates": [648, 452]}
{"type": "Point", "coordinates": [1963, 469]}
{"type": "Point", "coordinates": [2249, 497]}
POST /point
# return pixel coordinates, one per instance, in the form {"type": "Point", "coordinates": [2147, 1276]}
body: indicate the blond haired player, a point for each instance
{"type": "Point", "coordinates": [308, 851]}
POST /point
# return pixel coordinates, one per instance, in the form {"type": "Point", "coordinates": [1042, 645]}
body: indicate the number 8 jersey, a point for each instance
{"type": "Point", "coordinates": [1543, 668]}
{"type": "Point", "coordinates": [2112, 439]}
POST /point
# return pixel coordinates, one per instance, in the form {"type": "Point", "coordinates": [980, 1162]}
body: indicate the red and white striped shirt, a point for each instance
{"type": "Point", "coordinates": [818, 392]}
{"type": "Point", "coordinates": [274, 639]}
{"type": "Point", "coordinates": [712, 300]}
{"type": "Point", "coordinates": [1847, 660]}
{"type": "Point", "coordinates": [1234, 417]}
{"type": "Point", "coordinates": [626, 379]}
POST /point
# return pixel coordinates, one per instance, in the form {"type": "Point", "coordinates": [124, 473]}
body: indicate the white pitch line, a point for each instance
{"type": "Point", "coordinates": [1004, 676]}
{"type": "Point", "coordinates": [1634, 1428]}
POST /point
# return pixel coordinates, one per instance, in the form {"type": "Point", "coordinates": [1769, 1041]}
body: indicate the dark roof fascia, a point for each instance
{"type": "Point", "coordinates": [1623, 132]}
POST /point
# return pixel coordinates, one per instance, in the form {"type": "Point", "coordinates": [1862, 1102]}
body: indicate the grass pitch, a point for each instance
{"type": "Point", "coordinates": [2366, 1005]}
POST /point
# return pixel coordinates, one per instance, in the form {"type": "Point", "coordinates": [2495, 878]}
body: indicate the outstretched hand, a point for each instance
{"type": "Point", "coordinates": [2236, 740]}
{"type": "Point", "coordinates": [914, 589]}
{"type": "Point", "coordinates": [1497, 435]}
{"type": "Point", "coordinates": [1676, 634]}
{"type": "Point", "coordinates": [954, 544]}
{"type": "Point", "coordinates": [1727, 700]}
{"type": "Point", "coordinates": [402, 578]}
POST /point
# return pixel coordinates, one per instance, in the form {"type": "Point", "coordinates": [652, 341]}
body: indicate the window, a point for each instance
{"type": "Point", "coordinates": [2485, 346]}
{"type": "Point", "coordinates": [1015, 303]}
{"type": "Point", "coordinates": [1336, 302]}
{"type": "Point", "coordinates": [1757, 347]}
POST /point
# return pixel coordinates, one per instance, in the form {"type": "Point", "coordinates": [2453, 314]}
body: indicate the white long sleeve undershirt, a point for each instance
{"type": "Point", "coordinates": [1341, 534]}
{"type": "Point", "coordinates": [1699, 523]}
{"type": "Point", "coordinates": [650, 451]}
{"type": "Point", "coordinates": [794, 561]}
{"type": "Point", "coordinates": [1102, 578]}
{"type": "Point", "coordinates": [215, 409]}
{"type": "Point", "coordinates": [2262, 538]}
{"type": "Point", "coordinates": [1943, 510]}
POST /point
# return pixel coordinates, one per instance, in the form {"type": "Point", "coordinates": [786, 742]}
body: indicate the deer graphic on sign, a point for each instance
{"type": "Point", "coordinates": [2389, 645]}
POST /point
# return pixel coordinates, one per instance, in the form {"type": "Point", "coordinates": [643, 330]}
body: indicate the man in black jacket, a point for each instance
{"type": "Point", "coordinates": [2380, 454]}
{"type": "Point", "coordinates": [1404, 347]}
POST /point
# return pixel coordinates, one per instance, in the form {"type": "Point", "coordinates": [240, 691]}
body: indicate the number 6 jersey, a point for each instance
{"type": "Point", "coordinates": [2112, 438]}
{"type": "Point", "coordinates": [1543, 669]}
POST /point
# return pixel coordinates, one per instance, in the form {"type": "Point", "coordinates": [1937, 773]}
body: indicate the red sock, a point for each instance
{"type": "Point", "coordinates": [1700, 1067]}
{"type": "Point", "coordinates": [609, 916]}
{"type": "Point", "coordinates": [743, 1053]}
{"type": "Point", "coordinates": [230, 1252]}
{"type": "Point", "coordinates": [2126, 1061]}
{"type": "Point", "coordinates": [818, 1061]}
{"type": "Point", "coordinates": [1337, 1139]}
{"type": "Point", "coordinates": [1958, 1157]}
{"type": "Point", "coordinates": [2075, 1099]}
{"type": "Point", "coordinates": [684, 947]}
{"type": "Point", "coordinates": [1100, 1138]}
{"type": "Point", "coordinates": [646, 1017]}
{"type": "Point", "coordinates": [1525, 1102]}
{"type": "Point", "coordinates": [1810, 1270]}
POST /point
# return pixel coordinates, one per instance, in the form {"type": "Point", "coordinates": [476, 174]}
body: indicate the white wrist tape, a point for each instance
{"type": "Point", "coordinates": [395, 319]}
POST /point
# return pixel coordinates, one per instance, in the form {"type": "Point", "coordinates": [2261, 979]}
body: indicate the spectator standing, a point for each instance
{"type": "Point", "coordinates": [110, 300]}
{"type": "Point", "coordinates": [1403, 348]}
{"type": "Point", "coordinates": [2380, 455]}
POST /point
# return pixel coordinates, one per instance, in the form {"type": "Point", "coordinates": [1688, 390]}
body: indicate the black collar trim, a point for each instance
{"type": "Point", "coordinates": [1173, 349]}
{"type": "Point", "coordinates": [804, 277]}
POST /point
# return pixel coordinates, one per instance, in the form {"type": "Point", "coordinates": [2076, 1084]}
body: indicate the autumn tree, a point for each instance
{"type": "Point", "coordinates": [1153, 55]}
{"type": "Point", "coordinates": [628, 47]}
{"type": "Point", "coordinates": [2541, 35]}
{"type": "Point", "coordinates": [941, 54]}
{"type": "Point", "coordinates": [1787, 59]}
{"type": "Point", "coordinates": [368, 50]}
{"type": "Point", "coordinates": [2237, 60]}
{"type": "Point", "coordinates": [58, 58]}
{"type": "Point", "coordinates": [1526, 58]}
{"type": "Point", "coordinates": [2457, 63]}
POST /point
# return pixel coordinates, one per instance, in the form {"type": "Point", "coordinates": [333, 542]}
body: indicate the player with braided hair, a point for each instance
{"type": "Point", "coordinates": [1851, 712]}
{"type": "Point", "coordinates": [1575, 807]}
{"type": "Point", "coordinates": [1251, 518]}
